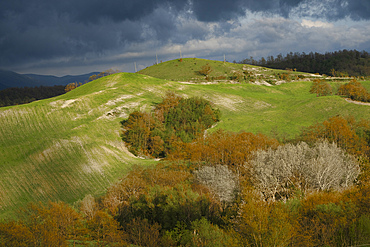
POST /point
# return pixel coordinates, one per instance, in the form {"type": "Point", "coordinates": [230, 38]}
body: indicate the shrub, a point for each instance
{"type": "Point", "coordinates": [205, 70]}
{"type": "Point", "coordinates": [321, 88]}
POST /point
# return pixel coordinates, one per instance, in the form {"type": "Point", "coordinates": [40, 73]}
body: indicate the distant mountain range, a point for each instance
{"type": "Point", "coordinates": [12, 79]}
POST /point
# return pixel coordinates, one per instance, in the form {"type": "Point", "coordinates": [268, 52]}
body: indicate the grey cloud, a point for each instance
{"type": "Point", "coordinates": [189, 29]}
{"type": "Point", "coordinates": [215, 10]}
{"type": "Point", "coordinates": [358, 10]}
{"type": "Point", "coordinates": [39, 31]}
{"type": "Point", "coordinates": [336, 9]}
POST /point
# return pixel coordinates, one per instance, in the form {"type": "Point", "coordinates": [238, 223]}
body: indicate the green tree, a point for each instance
{"type": "Point", "coordinates": [175, 119]}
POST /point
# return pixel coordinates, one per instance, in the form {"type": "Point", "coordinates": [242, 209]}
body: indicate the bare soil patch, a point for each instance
{"type": "Point", "coordinates": [357, 102]}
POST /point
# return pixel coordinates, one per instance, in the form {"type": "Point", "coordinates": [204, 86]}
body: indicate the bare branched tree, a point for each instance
{"type": "Point", "coordinates": [88, 206]}
{"type": "Point", "coordinates": [220, 180]}
{"type": "Point", "coordinates": [278, 173]}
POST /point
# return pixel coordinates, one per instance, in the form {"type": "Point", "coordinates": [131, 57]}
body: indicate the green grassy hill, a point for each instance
{"type": "Point", "coordinates": [69, 146]}
{"type": "Point", "coordinates": [188, 69]}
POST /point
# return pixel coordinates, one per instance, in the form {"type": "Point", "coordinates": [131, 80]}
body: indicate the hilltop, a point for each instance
{"type": "Point", "coordinates": [193, 70]}
{"type": "Point", "coordinates": [66, 147]}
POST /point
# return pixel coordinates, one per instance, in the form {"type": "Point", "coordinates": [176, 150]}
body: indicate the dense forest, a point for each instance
{"type": "Point", "coordinates": [218, 189]}
{"type": "Point", "coordinates": [17, 96]}
{"type": "Point", "coordinates": [338, 63]}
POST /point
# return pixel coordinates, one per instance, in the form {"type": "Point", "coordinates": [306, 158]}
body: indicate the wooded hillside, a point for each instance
{"type": "Point", "coordinates": [338, 63]}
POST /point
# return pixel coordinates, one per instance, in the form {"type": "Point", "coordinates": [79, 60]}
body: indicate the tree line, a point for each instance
{"type": "Point", "coordinates": [338, 63]}
{"type": "Point", "coordinates": [17, 96]}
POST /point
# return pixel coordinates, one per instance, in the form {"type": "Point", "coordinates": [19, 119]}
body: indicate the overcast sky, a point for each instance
{"type": "Point", "coordinates": [80, 36]}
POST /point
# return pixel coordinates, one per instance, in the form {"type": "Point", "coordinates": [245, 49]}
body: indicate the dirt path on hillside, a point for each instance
{"type": "Point", "coordinates": [357, 102]}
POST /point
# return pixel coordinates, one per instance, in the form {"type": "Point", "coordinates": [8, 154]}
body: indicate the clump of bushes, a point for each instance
{"type": "Point", "coordinates": [175, 119]}
{"type": "Point", "coordinates": [355, 91]}
{"type": "Point", "coordinates": [284, 76]}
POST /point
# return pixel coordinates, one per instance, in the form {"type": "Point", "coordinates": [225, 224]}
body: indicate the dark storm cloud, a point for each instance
{"type": "Point", "coordinates": [336, 9]}
{"type": "Point", "coordinates": [80, 30]}
{"type": "Point", "coordinates": [355, 9]}
{"type": "Point", "coordinates": [358, 9]}
{"type": "Point", "coordinates": [215, 10]}
{"type": "Point", "coordinates": [117, 10]}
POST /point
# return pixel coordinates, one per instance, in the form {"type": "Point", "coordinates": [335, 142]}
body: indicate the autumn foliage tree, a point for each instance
{"type": "Point", "coordinates": [333, 219]}
{"type": "Point", "coordinates": [140, 134]}
{"type": "Point", "coordinates": [71, 86]}
{"type": "Point", "coordinates": [321, 88]}
{"type": "Point", "coordinates": [102, 74]}
{"type": "Point", "coordinates": [222, 147]}
{"type": "Point", "coordinates": [355, 91]}
{"type": "Point", "coordinates": [217, 189]}
{"type": "Point", "coordinates": [137, 182]}
{"type": "Point", "coordinates": [105, 230]}
{"type": "Point", "coordinates": [260, 223]}
{"type": "Point", "coordinates": [349, 134]}
{"type": "Point", "coordinates": [43, 225]}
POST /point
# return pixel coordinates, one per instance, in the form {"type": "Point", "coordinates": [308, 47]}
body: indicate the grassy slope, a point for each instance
{"type": "Point", "coordinates": [188, 69]}
{"type": "Point", "coordinates": [69, 146]}
{"type": "Point", "coordinates": [278, 110]}
{"type": "Point", "coordinates": [282, 110]}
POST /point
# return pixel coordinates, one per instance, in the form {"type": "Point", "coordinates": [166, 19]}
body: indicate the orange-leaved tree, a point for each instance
{"type": "Point", "coordinates": [72, 86]}
{"type": "Point", "coordinates": [349, 134]}
{"type": "Point", "coordinates": [321, 88]}
{"type": "Point", "coordinates": [355, 91]}
{"type": "Point", "coordinates": [222, 147]}
{"type": "Point", "coordinates": [43, 225]}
